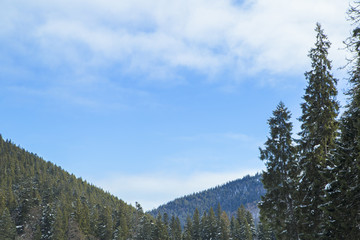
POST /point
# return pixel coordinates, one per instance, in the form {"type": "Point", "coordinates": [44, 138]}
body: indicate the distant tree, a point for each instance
{"type": "Point", "coordinates": [175, 228]}
{"type": "Point", "coordinates": [317, 142]}
{"type": "Point", "coordinates": [188, 229]}
{"type": "Point", "coordinates": [204, 234]}
{"type": "Point", "coordinates": [223, 227]}
{"type": "Point", "coordinates": [211, 223]}
{"type": "Point", "coordinates": [280, 178]}
{"type": "Point", "coordinates": [196, 225]}
{"type": "Point", "coordinates": [47, 222]}
{"type": "Point", "coordinates": [59, 225]}
{"type": "Point", "coordinates": [234, 228]}
{"type": "Point", "coordinates": [244, 231]}
{"type": "Point", "coordinates": [264, 232]}
{"type": "Point", "coordinates": [105, 224]}
{"type": "Point", "coordinates": [7, 226]}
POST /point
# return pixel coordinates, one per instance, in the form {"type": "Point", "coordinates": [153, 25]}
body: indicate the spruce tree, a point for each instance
{"type": "Point", "coordinates": [196, 225]}
{"type": "Point", "coordinates": [317, 142]}
{"type": "Point", "coordinates": [244, 227]}
{"type": "Point", "coordinates": [343, 192]}
{"type": "Point", "coordinates": [263, 232]}
{"type": "Point", "coordinates": [212, 225]}
{"type": "Point", "coordinates": [188, 230]}
{"type": "Point", "coordinates": [224, 227]}
{"type": "Point", "coordinates": [279, 179]}
{"type": "Point", "coordinates": [7, 226]}
{"type": "Point", "coordinates": [160, 229]}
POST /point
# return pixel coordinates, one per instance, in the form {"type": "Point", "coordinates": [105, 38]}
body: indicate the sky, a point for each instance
{"type": "Point", "coordinates": [153, 100]}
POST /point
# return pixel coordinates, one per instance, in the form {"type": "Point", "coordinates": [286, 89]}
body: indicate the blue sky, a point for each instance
{"type": "Point", "coordinates": [152, 100]}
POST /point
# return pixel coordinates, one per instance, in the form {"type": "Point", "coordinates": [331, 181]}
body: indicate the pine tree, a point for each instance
{"type": "Point", "coordinates": [212, 224]}
{"type": "Point", "coordinates": [204, 234]}
{"type": "Point", "coordinates": [277, 205]}
{"type": "Point", "coordinates": [47, 222]}
{"type": "Point", "coordinates": [244, 231]}
{"type": "Point", "coordinates": [318, 134]}
{"type": "Point", "coordinates": [105, 224]}
{"type": "Point", "coordinates": [188, 230]}
{"type": "Point", "coordinates": [234, 228]}
{"type": "Point", "coordinates": [196, 225]}
{"type": "Point", "coordinates": [175, 228]}
{"type": "Point", "coordinates": [59, 227]}
{"type": "Point", "coordinates": [264, 232]}
{"type": "Point", "coordinates": [343, 190]}
{"type": "Point", "coordinates": [224, 227]}
{"type": "Point", "coordinates": [7, 226]}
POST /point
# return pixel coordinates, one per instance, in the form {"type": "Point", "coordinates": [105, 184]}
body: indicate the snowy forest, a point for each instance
{"type": "Point", "coordinates": [312, 181]}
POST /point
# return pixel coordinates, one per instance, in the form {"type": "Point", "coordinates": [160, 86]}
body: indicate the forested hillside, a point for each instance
{"type": "Point", "coordinates": [246, 191]}
{"type": "Point", "coordinates": [39, 200]}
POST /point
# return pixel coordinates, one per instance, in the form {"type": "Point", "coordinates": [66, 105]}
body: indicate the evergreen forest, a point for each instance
{"type": "Point", "coordinates": [245, 191]}
{"type": "Point", "coordinates": [39, 200]}
{"type": "Point", "coordinates": [311, 185]}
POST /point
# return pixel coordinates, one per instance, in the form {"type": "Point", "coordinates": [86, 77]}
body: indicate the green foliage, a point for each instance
{"type": "Point", "coordinates": [188, 229]}
{"type": "Point", "coordinates": [7, 226]}
{"type": "Point", "coordinates": [317, 143]}
{"type": "Point", "coordinates": [343, 191]}
{"type": "Point", "coordinates": [280, 179]}
{"type": "Point", "coordinates": [328, 182]}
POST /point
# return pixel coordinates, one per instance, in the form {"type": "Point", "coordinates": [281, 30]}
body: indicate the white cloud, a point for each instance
{"type": "Point", "coordinates": [152, 190]}
{"type": "Point", "coordinates": [157, 37]}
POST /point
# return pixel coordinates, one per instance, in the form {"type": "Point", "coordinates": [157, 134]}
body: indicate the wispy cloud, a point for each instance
{"type": "Point", "coordinates": [159, 37]}
{"type": "Point", "coordinates": [152, 190]}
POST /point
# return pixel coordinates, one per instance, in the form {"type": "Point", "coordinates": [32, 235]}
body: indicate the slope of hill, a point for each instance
{"type": "Point", "coordinates": [246, 191]}
{"type": "Point", "coordinates": [39, 200]}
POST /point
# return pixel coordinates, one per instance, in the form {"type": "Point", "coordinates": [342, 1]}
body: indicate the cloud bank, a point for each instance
{"type": "Point", "coordinates": [158, 39]}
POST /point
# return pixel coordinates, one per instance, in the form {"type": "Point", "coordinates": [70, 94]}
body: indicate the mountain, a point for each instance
{"type": "Point", "coordinates": [245, 191]}
{"type": "Point", "coordinates": [39, 200]}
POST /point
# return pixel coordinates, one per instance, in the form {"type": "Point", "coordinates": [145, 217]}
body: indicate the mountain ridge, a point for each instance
{"type": "Point", "coordinates": [245, 191]}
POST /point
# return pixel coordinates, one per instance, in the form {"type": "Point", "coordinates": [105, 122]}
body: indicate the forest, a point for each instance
{"type": "Point", "coordinates": [312, 182]}
{"type": "Point", "coordinates": [245, 191]}
{"type": "Point", "coordinates": [39, 200]}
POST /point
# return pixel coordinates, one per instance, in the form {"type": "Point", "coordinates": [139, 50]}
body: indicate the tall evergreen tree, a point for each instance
{"type": "Point", "coordinates": [277, 205]}
{"type": "Point", "coordinates": [175, 228]}
{"type": "Point", "coordinates": [343, 199]}
{"type": "Point", "coordinates": [47, 222]}
{"type": "Point", "coordinates": [188, 230]}
{"type": "Point", "coordinates": [244, 227]}
{"type": "Point", "coordinates": [264, 232]}
{"type": "Point", "coordinates": [212, 224]}
{"type": "Point", "coordinates": [318, 134]}
{"type": "Point", "coordinates": [224, 227]}
{"type": "Point", "coordinates": [196, 225]}
{"type": "Point", "coordinates": [7, 226]}
{"type": "Point", "coordinates": [160, 232]}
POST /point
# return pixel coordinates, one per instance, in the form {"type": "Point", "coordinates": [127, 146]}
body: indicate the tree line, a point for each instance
{"type": "Point", "coordinates": [313, 182]}
{"type": "Point", "coordinates": [245, 191]}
